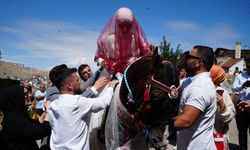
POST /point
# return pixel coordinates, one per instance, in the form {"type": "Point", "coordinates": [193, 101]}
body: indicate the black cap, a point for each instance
{"type": "Point", "coordinates": [59, 73]}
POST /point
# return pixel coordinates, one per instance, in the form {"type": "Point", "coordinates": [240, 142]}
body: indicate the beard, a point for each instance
{"type": "Point", "coordinates": [190, 70]}
{"type": "Point", "coordinates": [78, 91]}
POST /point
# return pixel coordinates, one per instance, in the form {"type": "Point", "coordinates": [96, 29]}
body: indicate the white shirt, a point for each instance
{"type": "Point", "coordinates": [200, 93]}
{"type": "Point", "coordinates": [39, 102]}
{"type": "Point", "coordinates": [69, 118]}
{"type": "Point", "coordinates": [244, 94]}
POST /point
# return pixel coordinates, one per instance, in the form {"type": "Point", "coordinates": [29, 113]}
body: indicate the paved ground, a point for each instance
{"type": "Point", "coordinates": [233, 137]}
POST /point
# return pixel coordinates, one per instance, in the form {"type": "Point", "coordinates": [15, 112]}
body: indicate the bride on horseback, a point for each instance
{"type": "Point", "coordinates": [121, 42]}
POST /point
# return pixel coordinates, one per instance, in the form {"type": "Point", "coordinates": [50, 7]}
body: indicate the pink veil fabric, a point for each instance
{"type": "Point", "coordinates": [117, 48]}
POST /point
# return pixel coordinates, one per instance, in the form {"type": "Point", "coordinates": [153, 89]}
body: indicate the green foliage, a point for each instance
{"type": "Point", "coordinates": [169, 53]}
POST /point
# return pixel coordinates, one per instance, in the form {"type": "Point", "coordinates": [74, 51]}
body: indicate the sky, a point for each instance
{"type": "Point", "coordinates": [44, 33]}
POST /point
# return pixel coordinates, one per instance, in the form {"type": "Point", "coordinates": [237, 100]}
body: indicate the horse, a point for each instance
{"type": "Point", "coordinates": [143, 102]}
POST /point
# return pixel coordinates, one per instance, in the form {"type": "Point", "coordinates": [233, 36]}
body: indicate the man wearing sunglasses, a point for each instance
{"type": "Point", "coordinates": [198, 103]}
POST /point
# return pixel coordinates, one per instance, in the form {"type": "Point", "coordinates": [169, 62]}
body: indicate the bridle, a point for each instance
{"type": "Point", "coordinates": [172, 91]}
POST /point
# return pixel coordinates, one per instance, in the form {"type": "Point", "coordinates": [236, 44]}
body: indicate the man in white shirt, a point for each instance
{"type": "Point", "coordinates": [39, 96]}
{"type": "Point", "coordinates": [198, 103]}
{"type": "Point", "coordinates": [241, 86]}
{"type": "Point", "coordinates": [69, 115]}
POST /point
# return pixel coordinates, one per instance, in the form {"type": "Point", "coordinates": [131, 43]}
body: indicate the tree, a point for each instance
{"type": "Point", "coordinates": [169, 53]}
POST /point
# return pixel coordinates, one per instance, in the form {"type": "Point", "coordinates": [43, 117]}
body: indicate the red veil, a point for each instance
{"type": "Point", "coordinates": [115, 47]}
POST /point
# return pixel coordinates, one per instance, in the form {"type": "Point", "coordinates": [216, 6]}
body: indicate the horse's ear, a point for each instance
{"type": "Point", "coordinates": [156, 60]}
{"type": "Point", "coordinates": [155, 54]}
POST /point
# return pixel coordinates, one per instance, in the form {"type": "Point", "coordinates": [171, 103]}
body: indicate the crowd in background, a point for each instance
{"type": "Point", "coordinates": [59, 111]}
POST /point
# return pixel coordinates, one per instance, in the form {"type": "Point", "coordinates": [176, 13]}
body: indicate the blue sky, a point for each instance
{"type": "Point", "coordinates": [45, 33]}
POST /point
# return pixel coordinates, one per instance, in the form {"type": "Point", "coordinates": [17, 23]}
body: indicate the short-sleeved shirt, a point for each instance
{"type": "Point", "coordinates": [39, 102]}
{"type": "Point", "coordinates": [200, 93]}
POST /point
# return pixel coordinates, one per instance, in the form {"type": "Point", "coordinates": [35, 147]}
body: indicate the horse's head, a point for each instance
{"type": "Point", "coordinates": [149, 80]}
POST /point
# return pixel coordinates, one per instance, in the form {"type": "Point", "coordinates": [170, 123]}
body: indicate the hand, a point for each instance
{"type": "Point", "coordinates": [105, 65]}
{"type": "Point", "coordinates": [45, 114]}
{"type": "Point", "coordinates": [131, 60]}
{"type": "Point", "coordinates": [244, 106]}
{"type": "Point", "coordinates": [46, 105]}
{"type": "Point", "coordinates": [220, 102]}
{"type": "Point", "coordinates": [101, 82]}
{"type": "Point", "coordinates": [113, 83]}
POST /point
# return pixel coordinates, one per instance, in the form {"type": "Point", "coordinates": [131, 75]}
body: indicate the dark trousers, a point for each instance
{"type": "Point", "coordinates": [243, 125]}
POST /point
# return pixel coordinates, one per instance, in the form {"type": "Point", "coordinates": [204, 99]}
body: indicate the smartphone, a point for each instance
{"type": "Point", "coordinates": [220, 92]}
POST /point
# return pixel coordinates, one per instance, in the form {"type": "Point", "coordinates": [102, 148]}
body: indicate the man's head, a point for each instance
{"type": "Point", "coordinates": [84, 72]}
{"type": "Point", "coordinates": [65, 79]}
{"type": "Point", "coordinates": [200, 59]}
{"type": "Point", "coordinates": [42, 87]}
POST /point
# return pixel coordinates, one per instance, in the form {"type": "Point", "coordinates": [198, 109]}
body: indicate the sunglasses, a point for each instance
{"type": "Point", "coordinates": [193, 57]}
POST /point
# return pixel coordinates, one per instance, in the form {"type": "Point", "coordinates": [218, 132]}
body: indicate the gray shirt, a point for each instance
{"type": "Point", "coordinates": [85, 85]}
{"type": "Point", "coordinates": [52, 93]}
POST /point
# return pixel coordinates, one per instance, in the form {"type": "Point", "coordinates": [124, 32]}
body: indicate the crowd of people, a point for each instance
{"type": "Point", "coordinates": [60, 114]}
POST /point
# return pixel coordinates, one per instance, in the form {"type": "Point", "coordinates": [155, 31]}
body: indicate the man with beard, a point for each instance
{"type": "Point", "coordinates": [84, 72]}
{"type": "Point", "coordinates": [70, 113]}
{"type": "Point", "coordinates": [198, 103]}
{"type": "Point", "coordinates": [89, 79]}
